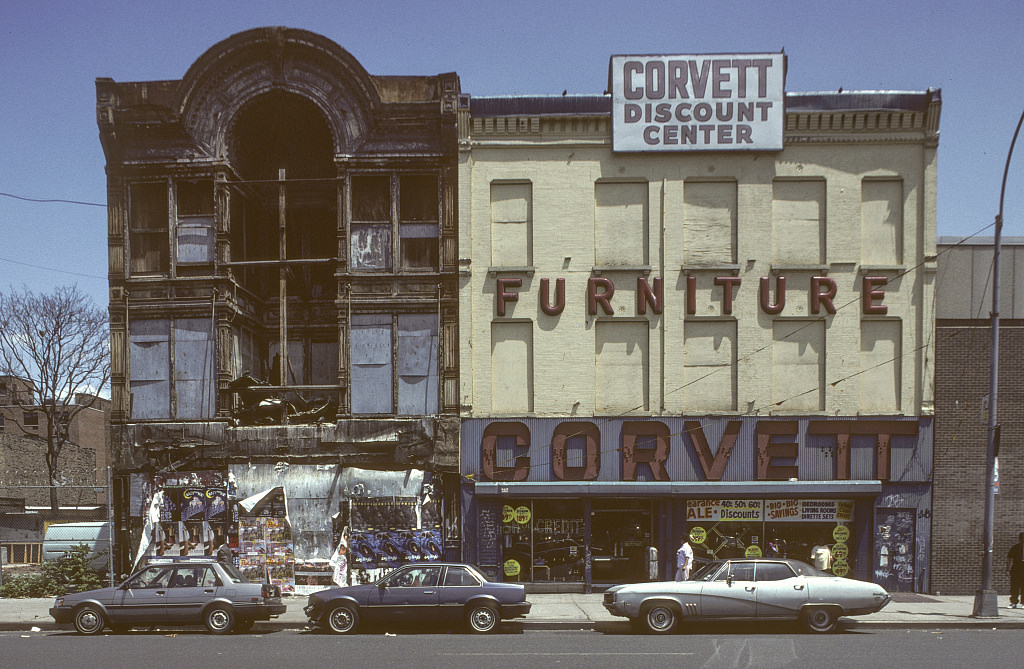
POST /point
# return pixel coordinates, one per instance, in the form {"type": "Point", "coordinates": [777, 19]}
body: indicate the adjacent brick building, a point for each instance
{"type": "Point", "coordinates": [963, 333]}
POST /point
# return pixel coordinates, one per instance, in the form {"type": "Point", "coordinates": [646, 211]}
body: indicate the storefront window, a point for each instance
{"type": "Point", "coordinates": [814, 531]}
{"type": "Point", "coordinates": [543, 540]}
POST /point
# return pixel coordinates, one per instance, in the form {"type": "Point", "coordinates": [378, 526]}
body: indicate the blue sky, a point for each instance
{"type": "Point", "coordinates": [51, 53]}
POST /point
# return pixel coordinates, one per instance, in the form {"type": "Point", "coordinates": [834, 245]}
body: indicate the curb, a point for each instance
{"type": "Point", "coordinates": [581, 625]}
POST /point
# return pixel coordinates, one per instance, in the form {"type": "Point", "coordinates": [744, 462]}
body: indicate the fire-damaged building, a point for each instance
{"type": "Point", "coordinates": [284, 307]}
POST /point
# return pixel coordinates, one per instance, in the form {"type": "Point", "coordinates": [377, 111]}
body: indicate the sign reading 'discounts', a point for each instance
{"type": "Point", "coordinates": [723, 102]}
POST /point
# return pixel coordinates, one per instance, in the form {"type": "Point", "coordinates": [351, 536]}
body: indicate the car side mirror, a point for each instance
{"type": "Point", "coordinates": [728, 579]}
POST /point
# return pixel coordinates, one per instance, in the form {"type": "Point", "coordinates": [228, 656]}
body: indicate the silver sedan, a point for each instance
{"type": "Point", "coordinates": [739, 589]}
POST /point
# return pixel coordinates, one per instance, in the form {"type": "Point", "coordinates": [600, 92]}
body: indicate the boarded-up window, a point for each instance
{"type": "Point", "coordinates": [371, 364]}
{"type": "Point", "coordinates": [147, 228]}
{"type": "Point", "coordinates": [880, 365]}
{"type": "Point", "coordinates": [417, 364]}
{"type": "Point", "coordinates": [195, 234]}
{"type": "Point", "coordinates": [193, 368]}
{"type": "Point", "coordinates": [149, 362]}
{"type": "Point", "coordinates": [798, 365]}
{"type": "Point", "coordinates": [798, 222]}
{"type": "Point", "coordinates": [709, 222]}
{"type": "Point", "coordinates": [621, 379]}
{"type": "Point", "coordinates": [324, 363]}
{"type": "Point", "coordinates": [371, 222]}
{"type": "Point", "coordinates": [709, 365]}
{"type": "Point", "coordinates": [511, 224]}
{"type": "Point", "coordinates": [418, 223]}
{"type": "Point", "coordinates": [620, 223]}
{"type": "Point", "coordinates": [881, 211]}
{"type": "Point", "coordinates": [512, 367]}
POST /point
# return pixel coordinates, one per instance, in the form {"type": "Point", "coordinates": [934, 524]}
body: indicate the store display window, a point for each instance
{"type": "Point", "coordinates": [543, 540]}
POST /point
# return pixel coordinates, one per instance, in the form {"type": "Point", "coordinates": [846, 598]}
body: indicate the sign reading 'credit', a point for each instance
{"type": "Point", "coordinates": [724, 102]}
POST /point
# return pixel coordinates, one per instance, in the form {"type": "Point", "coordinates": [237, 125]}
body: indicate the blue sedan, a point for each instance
{"type": "Point", "coordinates": [420, 592]}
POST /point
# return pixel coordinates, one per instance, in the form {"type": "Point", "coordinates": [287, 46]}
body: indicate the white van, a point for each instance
{"type": "Point", "coordinates": [63, 537]}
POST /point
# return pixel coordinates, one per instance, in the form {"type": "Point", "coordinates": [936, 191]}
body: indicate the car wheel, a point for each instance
{"type": "Point", "coordinates": [243, 626]}
{"type": "Point", "coordinates": [89, 619]}
{"type": "Point", "coordinates": [219, 620]}
{"type": "Point", "coordinates": [659, 618]}
{"type": "Point", "coordinates": [820, 619]}
{"type": "Point", "coordinates": [482, 618]}
{"type": "Point", "coordinates": [343, 619]}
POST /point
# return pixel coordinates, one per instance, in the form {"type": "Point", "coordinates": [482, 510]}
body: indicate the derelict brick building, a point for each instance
{"type": "Point", "coordinates": [283, 296]}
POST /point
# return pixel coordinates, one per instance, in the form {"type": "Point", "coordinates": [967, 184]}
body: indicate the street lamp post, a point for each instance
{"type": "Point", "coordinates": [986, 604]}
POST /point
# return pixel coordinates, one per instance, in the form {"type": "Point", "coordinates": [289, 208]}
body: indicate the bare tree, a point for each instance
{"type": "Point", "coordinates": [59, 344]}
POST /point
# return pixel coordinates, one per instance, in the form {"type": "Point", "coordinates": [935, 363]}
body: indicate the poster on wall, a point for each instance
{"type": "Point", "coordinates": [184, 513]}
{"type": "Point", "coordinates": [265, 550]}
{"type": "Point", "coordinates": [388, 532]}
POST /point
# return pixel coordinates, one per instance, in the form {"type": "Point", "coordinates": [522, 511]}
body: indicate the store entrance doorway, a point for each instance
{"type": "Point", "coordinates": [621, 539]}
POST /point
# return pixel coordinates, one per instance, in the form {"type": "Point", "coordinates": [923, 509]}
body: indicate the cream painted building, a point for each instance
{"type": "Point", "coordinates": [649, 339]}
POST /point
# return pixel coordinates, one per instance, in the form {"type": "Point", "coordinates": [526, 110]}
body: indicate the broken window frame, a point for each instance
{"type": "Point", "coordinates": [403, 229]}
{"type": "Point", "coordinates": [195, 231]}
{"type": "Point", "coordinates": [149, 228]}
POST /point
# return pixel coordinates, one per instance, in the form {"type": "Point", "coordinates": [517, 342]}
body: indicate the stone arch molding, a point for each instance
{"type": "Point", "coordinates": [237, 70]}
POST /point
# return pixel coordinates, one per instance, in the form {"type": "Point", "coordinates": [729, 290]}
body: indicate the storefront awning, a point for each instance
{"type": "Point", "coordinates": [680, 489]}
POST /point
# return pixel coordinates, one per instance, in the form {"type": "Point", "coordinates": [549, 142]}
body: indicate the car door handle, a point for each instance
{"type": "Point", "coordinates": [161, 592]}
{"type": "Point", "coordinates": [208, 591]}
{"type": "Point", "coordinates": [798, 587]}
{"type": "Point", "coordinates": [428, 592]}
{"type": "Point", "coordinates": [750, 588]}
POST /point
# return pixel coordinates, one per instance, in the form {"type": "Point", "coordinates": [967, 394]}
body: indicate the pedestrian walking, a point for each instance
{"type": "Point", "coordinates": [1015, 569]}
{"type": "Point", "coordinates": [684, 560]}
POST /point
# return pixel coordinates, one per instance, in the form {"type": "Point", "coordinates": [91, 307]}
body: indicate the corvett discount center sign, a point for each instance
{"type": "Point", "coordinates": [722, 102]}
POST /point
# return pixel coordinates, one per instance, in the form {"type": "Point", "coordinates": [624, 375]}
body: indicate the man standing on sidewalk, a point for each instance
{"type": "Point", "coordinates": [684, 560]}
{"type": "Point", "coordinates": [1015, 568]}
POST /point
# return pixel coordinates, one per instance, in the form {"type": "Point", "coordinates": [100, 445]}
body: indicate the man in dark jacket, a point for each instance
{"type": "Point", "coordinates": [1015, 568]}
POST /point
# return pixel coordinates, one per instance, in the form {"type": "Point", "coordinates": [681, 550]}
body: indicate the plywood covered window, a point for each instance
{"type": "Point", "coordinates": [709, 365]}
{"type": "Point", "coordinates": [383, 372]}
{"type": "Point", "coordinates": [417, 364]}
{"type": "Point", "coordinates": [620, 223]}
{"type": "Point", "coordinates": [798, 365]}
{"type": "Point", "coordinates": [193, 368]}
{"type": "Point", "coordinates": [195, 232]}
{"type": "Point", "coordinates": [371, 354]}
{"type": "Point", "coordinates": [881, 211]}
{"type": "Point", "coordinates": [511, 224]}
{"type": "Point", "coordinates": [709, 222]}
{"type": "Point", "coordinates": [371, 222]}
{"type": "Point", "coordinates": [512, 367]}
{"type": "Point", "coordinates": [798, 222]}
{"type": "Point", "coordinates": [149, 364]}
{"type": "Point", "coordinates": [418, 224]}
{"type": "Point", "coordinates": [148, 238]}
{"type": "Point", "coordinates": [622, 366]}
{"type": "Point", "coordinates": [881, 365]}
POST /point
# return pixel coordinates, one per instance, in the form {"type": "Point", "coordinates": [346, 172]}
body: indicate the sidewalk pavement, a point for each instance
{"type": "Point", "coordinates": [572, 611]}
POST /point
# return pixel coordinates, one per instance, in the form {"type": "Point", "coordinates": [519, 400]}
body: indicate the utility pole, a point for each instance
{"type": "Point", "coordinates": [986, 604]}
